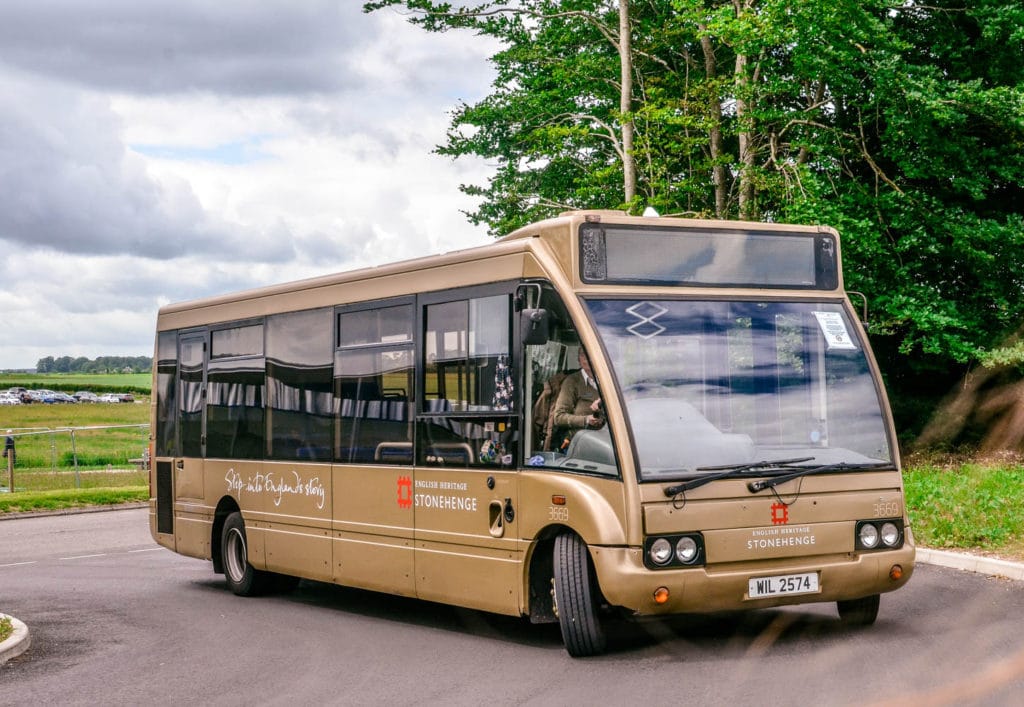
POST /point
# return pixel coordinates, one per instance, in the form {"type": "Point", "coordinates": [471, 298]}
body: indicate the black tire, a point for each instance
{"type": "Point", "coordinates": [859, 612]}
{"type": "Point", "coordinates": [243, 579]}
{"type": "Point", "coordinates": [575, 593]}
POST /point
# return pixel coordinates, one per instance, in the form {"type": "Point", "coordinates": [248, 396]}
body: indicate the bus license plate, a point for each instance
{"type": "Point", "coordinates": [782, 585]}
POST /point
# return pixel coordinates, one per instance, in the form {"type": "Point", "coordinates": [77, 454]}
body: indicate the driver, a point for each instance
{"type": "Point", "coordinates": [579, 402]}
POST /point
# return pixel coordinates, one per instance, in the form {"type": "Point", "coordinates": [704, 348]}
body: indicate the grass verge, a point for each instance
{"type": "Point", "coordinates": [970, 506]}
{"type": "Point", "coordinates": [6, 628]}
{"type": "Point", "coordinates": [27, 501]}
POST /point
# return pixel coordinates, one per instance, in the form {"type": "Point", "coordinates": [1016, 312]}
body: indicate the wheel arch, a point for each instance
{"type": "Point", "coordinates": [541, 571]}
{"type": "Point", "coordinates": [225, 507]}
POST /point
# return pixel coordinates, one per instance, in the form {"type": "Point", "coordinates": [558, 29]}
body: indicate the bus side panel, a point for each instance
{"type": "Point", "coordinates": [594, 508]}
{"type": "Point", "coordinates": [296, 520]}
{"type": "Point", "coordinates": [241, 480]}
{"type": "Point", "coordinates": [192, 529]}
{"type": "Point", "coordinates": [373, 528]}
{"type": "Point", "coordinates": [468, 552]}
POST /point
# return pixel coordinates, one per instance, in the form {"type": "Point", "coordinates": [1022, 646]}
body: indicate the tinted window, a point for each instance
{"type": "Point", "coordinates": [373, 382]}
{"type": "Point", "coordinates": [191, 352]}
{"type": "Point", "coordinates": [299, 398]}
{"type": "Point", "coordinates": [468, 385]}
{"type": "Point", "coordinates": [237, 341]}
{"type": "Point", "coordinates": [466, 351]}
{"type": "Point", "coordinates": [166, 402]}
{"type": "Point", "coordinates": [234, 408]}
{"type": "Point", "coordinates": [387, 325]}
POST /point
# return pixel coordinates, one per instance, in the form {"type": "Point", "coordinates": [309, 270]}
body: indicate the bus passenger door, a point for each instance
{"type": "Point", "coordinates": [191, 529]}
{"type": "Point", "coordinates": [465, 492]}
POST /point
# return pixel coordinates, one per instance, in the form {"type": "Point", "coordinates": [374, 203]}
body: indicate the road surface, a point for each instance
{"type": "Point", "coordinates": [116, 620]}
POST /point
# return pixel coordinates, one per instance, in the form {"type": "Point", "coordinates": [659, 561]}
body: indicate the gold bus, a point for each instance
{"type": "Point", "coordinates": [421, 428]}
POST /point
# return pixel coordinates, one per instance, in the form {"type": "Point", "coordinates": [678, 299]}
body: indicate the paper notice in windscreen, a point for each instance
{"type": "Point", "coordinates": [834, 329]}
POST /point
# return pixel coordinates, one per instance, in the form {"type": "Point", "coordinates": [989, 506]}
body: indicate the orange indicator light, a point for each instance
{"type": "Point", "coordinates": [661, 595]}
{"type": "Point", "coordinates": [896, 573]}
{"type": "Point", "coordinates": [558, 500]}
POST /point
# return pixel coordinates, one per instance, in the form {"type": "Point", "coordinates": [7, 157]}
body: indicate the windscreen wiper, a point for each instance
{"type": "Point", "coordinates": [756, 486]}
{"type": "Point", "coordinates": [729, 470]}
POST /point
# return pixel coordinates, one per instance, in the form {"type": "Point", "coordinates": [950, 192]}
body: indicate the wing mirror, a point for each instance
{"type": "Point", "coordinates": [535, 325]}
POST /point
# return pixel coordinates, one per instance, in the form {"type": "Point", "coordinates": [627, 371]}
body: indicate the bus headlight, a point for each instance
{"type": "Point", "coordinates": [868, 536]}
{"type": "Point", "coordinates": [660, 552]}
{"type": "Point", "coordinates": [879, 534]}
{"type": "Point", "coordinates": [890, 534]}
{"type": "Point", "coordinates": [686, 550]}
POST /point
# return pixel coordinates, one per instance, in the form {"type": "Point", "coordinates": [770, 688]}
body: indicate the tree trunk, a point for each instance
{"type": "Point", "coordinates": [746, 140]}
{"type": "Point", "coordinates": [715, 131]}
{"type": "Point", "coordinates": [626, 102]}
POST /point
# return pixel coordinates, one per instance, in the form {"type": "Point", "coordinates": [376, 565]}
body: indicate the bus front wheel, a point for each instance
{"type": "Point", "coordinates": [575, 594]}
{"type": "Point", "coordinates": [859, 612]}
{"type": "Point", "coordinates": [243, 579]}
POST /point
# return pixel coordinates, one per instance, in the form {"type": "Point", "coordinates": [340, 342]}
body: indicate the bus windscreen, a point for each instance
{"type": "Point", "coordinates": [711, 383]}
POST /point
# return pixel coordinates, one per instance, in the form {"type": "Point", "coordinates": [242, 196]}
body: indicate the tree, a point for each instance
{"type": "Point", "coordinates": [560, 121]}
{"type": "Point", "coordinates": [102, 364]}
{"type": "Point", "coordinates": [899, 123]}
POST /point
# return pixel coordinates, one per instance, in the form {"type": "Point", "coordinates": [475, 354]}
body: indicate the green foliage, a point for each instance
{"type": "Point", "coordinates": [103, 364]}
{"type": "Point", "coordinates": [972, 506]}
{"type": "Point", "coordinates": [901, 124]}
{"type": "Point", "coordinates": [6, 628]}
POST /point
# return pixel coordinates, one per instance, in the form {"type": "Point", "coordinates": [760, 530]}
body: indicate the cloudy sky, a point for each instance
{"type": "Point", "coordinates": [152, 152]}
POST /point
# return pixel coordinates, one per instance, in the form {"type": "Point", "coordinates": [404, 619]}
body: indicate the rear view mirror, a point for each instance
{"type": "Point", "coordinates": [536, 326]}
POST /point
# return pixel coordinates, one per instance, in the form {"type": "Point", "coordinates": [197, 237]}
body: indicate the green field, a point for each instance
{"type": "Point", "coordinates": [43, 443]}
{"type": "Point", "coordinates": [139, 383]}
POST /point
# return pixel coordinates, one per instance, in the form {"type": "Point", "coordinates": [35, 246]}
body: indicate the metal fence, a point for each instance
{"type": "Point", "coordinates": [69, 453]}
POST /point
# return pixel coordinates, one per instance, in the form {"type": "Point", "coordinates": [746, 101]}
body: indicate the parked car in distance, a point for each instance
{"type": "Point", "coordinates": [85, 396]}
{"type": "Point", "coordinates": [21, 394]}
{"type": "Point", "coordinates": [110, 398]}
{"type": "Point", "coordinates": [7, 398]}
{"type": "Point", "coordinates": [42, 396]}
{"type": "Point", "coordinates": [59, 397]}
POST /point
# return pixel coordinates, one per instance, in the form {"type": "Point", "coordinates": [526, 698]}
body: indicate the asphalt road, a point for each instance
{"type": "Point", "coordinates": [116, 620]}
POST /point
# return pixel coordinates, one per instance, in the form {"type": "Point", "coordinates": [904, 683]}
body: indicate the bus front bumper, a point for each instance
{"type": "Point", "coordinates": [626, 582]}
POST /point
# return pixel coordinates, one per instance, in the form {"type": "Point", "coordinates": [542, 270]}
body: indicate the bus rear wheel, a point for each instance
{"type": "Point", "coordinates": [242, 578]}
{"type": "Point", "coordinates": [859, 612]}
{"type": "Point", "coordinates": [575, 594]}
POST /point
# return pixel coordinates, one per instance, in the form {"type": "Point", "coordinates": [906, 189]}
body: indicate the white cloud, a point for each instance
{"type": "Point", "coordinates": [154, 152]}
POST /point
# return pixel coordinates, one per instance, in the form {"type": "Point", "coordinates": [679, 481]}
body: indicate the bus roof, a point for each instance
{"type": "Point", "coordinates": [419, 274]}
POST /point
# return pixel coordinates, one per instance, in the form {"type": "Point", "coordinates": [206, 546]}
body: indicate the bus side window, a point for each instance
{"type": "Point", "coordinates": [469, 388]}
{"type": "Point", "coordinates": [300, 404]}
{"type": "Point", "coordinates": [373, 384]}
